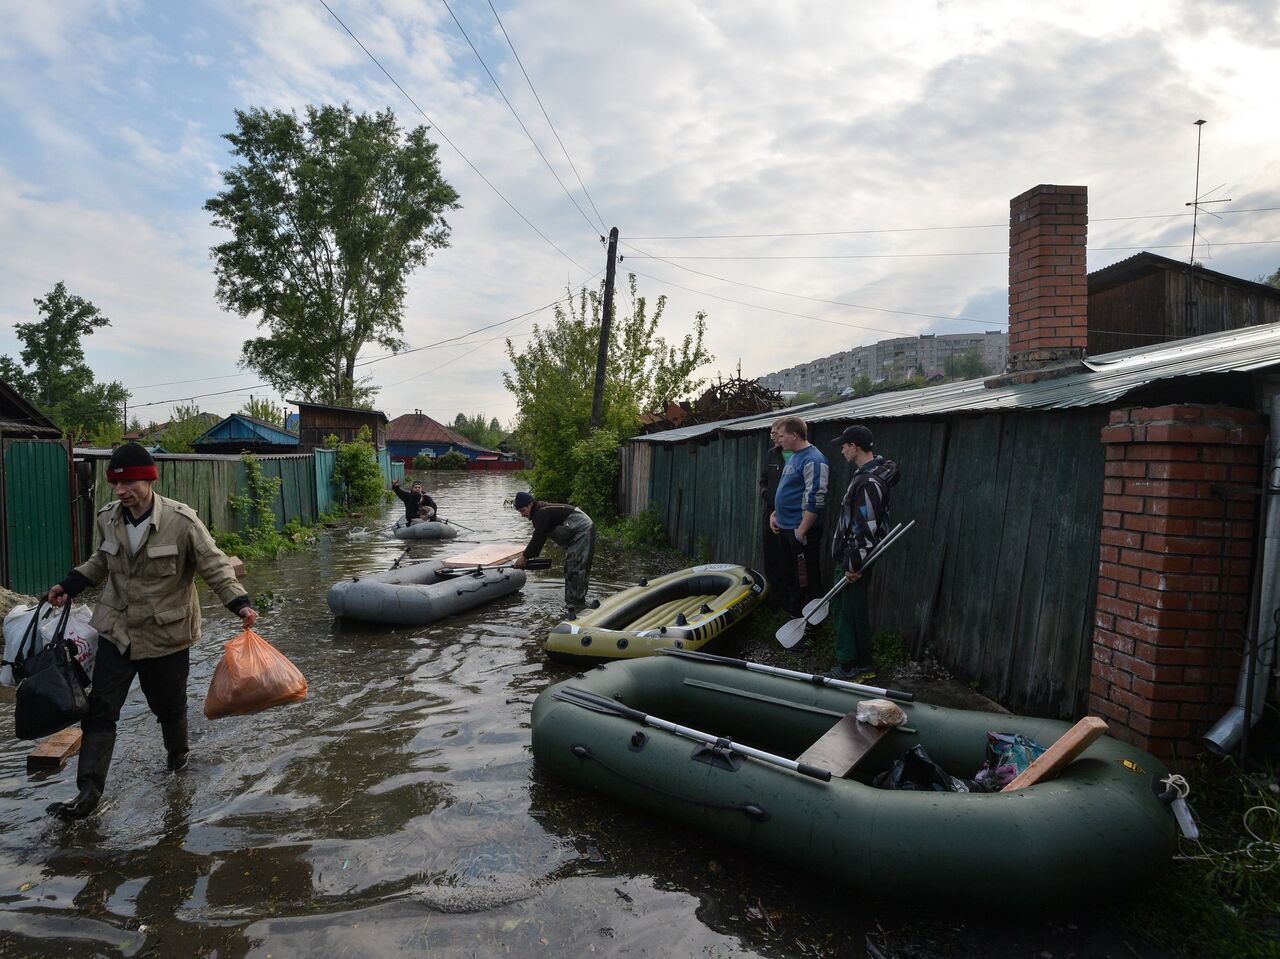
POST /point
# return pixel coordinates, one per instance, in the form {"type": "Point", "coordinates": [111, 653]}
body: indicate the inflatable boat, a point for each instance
{"type": "Point", "coordinates": [687, 609]}
{"type": "Point", "coordinates": [419, 593]}
{"type": "Point", "coordinates": [1099, 828]}
{"type": "Point", "coordinates": [423, 529]}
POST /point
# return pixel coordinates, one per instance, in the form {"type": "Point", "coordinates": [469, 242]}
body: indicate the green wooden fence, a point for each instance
{"type": "Point", "coordinates": [999, 574]}
{"type": "Point", "coordinates": [36, 480]}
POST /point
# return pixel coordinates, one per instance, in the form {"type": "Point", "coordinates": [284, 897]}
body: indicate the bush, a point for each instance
{"type": "Point", "coordinates": [594, 469]}
{"type": "Point", "coordinates": [424, 461]}
{"type": "Point", "coordinates": [452, 460]}
{"type": "Point", "coordinates": [641, 532]}
{"type": "Point", "coordinates": [357, 474]}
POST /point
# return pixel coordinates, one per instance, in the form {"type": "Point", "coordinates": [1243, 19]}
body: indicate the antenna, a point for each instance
{"type": "Point", "coordinates": [1192, 317]}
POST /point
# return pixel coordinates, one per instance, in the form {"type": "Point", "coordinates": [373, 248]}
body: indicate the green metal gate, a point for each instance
{"type": "Point", "coordinates": [36, 483]}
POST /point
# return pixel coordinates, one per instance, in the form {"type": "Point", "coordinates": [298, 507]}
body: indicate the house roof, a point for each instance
{"type": "Point", "coordinates": [342, 409]}
{"type": "Point", "coordinates": [20, 416]}
{"type": "Point", "coordinates": [1101, 379]}
{"type": "Point", "coordinates": [420, 428]}
{"type": "Point", "coordinates": [239, 427]}
{"type": "Point", "coordinates": [1143, 264]}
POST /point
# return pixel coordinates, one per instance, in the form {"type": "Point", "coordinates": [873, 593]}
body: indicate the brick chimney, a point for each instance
{"type": "Point", "coordinates": [1048, 289]}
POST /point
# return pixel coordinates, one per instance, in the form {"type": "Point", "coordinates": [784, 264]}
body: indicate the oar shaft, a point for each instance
{"type": "Point", "coordinates": [811, 678]}
{"type": "Point", "coordinates": [582, 697]}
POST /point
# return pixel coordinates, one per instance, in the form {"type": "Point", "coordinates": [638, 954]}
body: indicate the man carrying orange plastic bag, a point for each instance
{"type": "Point", "coordinates": [151, 548]}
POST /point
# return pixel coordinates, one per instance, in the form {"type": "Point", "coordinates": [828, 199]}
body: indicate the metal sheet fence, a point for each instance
{"type": "Point", "coordinates": [36, 482]}
{"type": "Point", "coordinates": [999, 575]}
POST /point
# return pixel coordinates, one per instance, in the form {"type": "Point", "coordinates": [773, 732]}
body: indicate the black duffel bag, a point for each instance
{"type": "Point", "coordinates": [50, 694]}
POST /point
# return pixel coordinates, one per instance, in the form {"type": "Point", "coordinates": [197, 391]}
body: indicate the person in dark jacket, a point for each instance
{"type": "Point", "coordinates": [572, 529]}
{"type": "Point", "coordinates": [417, 504]}
{"type": "Point", "coordinates": [775, 460]}
{"type": "Point", "coordinates": [863, 522]}
{"type": "Point", "coordinates": [148, 616]}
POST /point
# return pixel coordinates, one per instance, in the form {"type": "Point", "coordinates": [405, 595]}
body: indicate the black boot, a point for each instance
{"type": "Point", "coordinates": [176, 743]}
{"type": "Point", "coordinates": [91, 776]}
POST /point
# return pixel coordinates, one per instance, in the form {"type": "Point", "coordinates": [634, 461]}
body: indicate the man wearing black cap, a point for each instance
{"type": "Point", "coordinates": [147, 617]}
{"type": "Point", "coordinates": [572, 529]}
{"type": "Point", "coordinates": [864, 521]}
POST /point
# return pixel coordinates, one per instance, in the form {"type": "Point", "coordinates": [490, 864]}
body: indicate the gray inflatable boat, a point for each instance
{"type": "Point", "coordinates": [423, 529]}
{"type": "Point", "coordinates": [420, 593]}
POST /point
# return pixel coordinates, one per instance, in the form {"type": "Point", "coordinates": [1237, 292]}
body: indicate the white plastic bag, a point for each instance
{"type": "Point", "coordinates": [881, 712]}
{"type": "Point", "coordinates": [82, 637]}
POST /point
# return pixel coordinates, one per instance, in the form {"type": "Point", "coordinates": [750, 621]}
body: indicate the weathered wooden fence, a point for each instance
{"type": "Point", "coordinates": [999, 574]}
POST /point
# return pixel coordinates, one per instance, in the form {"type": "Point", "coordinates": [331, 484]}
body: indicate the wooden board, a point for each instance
{"type": "Point", "coordinates": [844, 745]}
{"type": "Point", "coordinates": [51, 753]}
{"type": "Point", "coordinates": [491, 554]}
{"type": "Point", "coordinates": [1051, 762]}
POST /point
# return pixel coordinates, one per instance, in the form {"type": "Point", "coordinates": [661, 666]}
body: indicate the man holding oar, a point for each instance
{"type": "Point", "coordinates": [864, 521]}
{"type": "Point", "coordinates": [571, 528]}
{"type": "Point", "coordinates": [417, 504]}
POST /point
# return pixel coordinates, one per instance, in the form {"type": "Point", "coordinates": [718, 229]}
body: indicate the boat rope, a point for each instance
{"type": "Point", "coordinates": [1178, 784]}
{"type": "Point", "coordinates": [1260, 854]}
{"type": "Point", "coordinates": [750, 810]}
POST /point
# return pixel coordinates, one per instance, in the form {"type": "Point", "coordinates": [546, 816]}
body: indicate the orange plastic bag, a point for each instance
{"type": "Point", "coordinates": [252, 676]}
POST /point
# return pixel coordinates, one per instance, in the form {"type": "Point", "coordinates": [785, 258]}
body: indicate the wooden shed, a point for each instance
{"type": "Point", "coordinates": [318, 420]}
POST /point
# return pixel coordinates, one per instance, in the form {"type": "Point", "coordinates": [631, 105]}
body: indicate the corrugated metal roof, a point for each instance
{"type": "Point", "coordinates": [1104, 379]}
{"type": "Point", "coordinates": [754, 421]}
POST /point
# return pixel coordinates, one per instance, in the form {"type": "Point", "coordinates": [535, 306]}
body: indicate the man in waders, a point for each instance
{"type": "Point", "coordinates": [572, 529]}
{"type": "Point", "coordinates": [864, 522]}
{"type": "Point", "coordinates": [148, 616]}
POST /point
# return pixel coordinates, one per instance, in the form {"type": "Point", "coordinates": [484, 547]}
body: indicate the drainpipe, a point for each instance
{"type": "Point", "coordinates": [1255, 670]}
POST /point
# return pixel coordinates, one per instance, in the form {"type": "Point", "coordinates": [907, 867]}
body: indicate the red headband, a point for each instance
{"type": "Point", "coordinates": [130, 473]}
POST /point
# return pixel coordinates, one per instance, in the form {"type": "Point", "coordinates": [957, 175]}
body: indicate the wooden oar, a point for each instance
{"type": "Point", "coordinates": [791, 632]}
{"type": "Point", "coordinates": [812, 678]}
{"type": "Point", "coordinates": [603, 704]}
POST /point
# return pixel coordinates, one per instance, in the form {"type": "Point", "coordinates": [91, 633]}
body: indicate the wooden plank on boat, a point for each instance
{"type": "Point", "coordinates": [491, 554]}
{"type": "Point", "coordinates": [52, 752]}
{"type": "Point", "coordinates": [844, 745]}
{"type": "Point", "coordinates": [1052, 761]}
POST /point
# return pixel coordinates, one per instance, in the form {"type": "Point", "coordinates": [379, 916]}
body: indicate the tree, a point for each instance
{"type": "Point", "coordinates": [356, 471]}
{"type": "Point", "coordinates": [478, 430]}
{"type": "Point", "coordinates": [330, 215]}
{"type": "Point", "coordinates": [265, 410]}
{"type": "Point", "coordinates": [185, 426]}
{"type": "Point", "coordinates": [53, 372]}
{"type": "Point", "coordinates": [552, 380]}
{"type": "Point", "coordinates": [1272, 280]}
{"type": "Point", "coordinates": [965, 366]}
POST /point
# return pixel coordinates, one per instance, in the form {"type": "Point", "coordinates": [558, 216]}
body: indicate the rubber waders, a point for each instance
{"type": "Point", "coordinates": [176, 743]}
{"type": "Point", "coordinates": [91, 776]}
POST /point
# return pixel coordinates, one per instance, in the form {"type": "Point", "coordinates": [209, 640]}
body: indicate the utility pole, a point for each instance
{"type": "Point", "coordinates": [606, 318]}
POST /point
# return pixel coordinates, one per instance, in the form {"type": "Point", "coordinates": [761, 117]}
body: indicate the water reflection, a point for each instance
{"type": "Point", "coordinates": [396, 808]}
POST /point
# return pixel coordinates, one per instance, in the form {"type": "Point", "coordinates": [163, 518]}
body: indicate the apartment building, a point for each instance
{"type": "Point", "coordinates": [891, 359]}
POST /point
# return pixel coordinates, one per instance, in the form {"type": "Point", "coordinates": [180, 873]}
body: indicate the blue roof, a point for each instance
{"type": "Point", "coordinates": [239, 428]}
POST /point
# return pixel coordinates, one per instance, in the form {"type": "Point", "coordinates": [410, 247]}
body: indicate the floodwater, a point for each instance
{"type": "Point", "coordinates": [397, 810]}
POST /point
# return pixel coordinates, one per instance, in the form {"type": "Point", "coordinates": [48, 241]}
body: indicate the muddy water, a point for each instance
{"type": "Point", "coordinates": [396, 810]}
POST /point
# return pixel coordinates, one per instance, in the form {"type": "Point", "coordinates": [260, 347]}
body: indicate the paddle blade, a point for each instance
{"type": "Point", "coordinates": [790, 633]}
{"type": "Point", "coordinates": [815, 611]}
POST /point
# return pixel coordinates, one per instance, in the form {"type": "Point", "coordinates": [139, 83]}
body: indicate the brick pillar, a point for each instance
{"type": "Point", "coordinates": [1175, 570]}
{"type": "Point", "coordinates": [1048, 289]}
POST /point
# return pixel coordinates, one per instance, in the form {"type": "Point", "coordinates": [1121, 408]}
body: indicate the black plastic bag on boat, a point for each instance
{"type": "Point", "coordinates": [916, 771]}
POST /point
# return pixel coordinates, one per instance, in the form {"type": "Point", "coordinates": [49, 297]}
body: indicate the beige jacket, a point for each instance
{"type": "Point", "coordinates": [149, 601]}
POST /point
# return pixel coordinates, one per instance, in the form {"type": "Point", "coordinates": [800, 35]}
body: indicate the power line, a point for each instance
{"type": "Point", "coordinates": [497, 87]}
{"type": "Point", "coordinates": [801, 296]}
{"type": "Point", "coordinates": [928, 229]}
{"type": "Point", "coordinates": [443, 136]}
{"type": "Point", "coordinates": [554, 132]}
{"type": "Point", "coordinates": [890, 256]}
{"type": "Point", "coordinates": [770, 309]}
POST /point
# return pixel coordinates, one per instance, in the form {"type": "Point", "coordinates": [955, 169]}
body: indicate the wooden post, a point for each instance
{"type": "Point", "coordinates": [606, 318]}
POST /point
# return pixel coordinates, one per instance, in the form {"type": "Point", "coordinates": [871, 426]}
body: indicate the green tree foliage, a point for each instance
{"type": "Point", "coordinates": [265, 410]}
{"type": "Point", "coordinates": [356, 471]}
{"type": "Point", "coordinates": [424, 461]}
{"type": "Point", "coordinates": [553, 376]}
{"type": "Point", "coordinates": [330, 215]}
{"type": "Point", "coordinates": [966, 366]}
{"type": "Point", "coordinates": [186, 425]}
{"type": "Point", "coordinates": [1272, 280]}
{"type": "Point", "coordinates": [53, 373]}
{"type": "Point", "coordinates": [482, 432]}
{"type": "Point", "coordinates": [595, 473]}
{"type": "Point", "coordinates": [452, 460]}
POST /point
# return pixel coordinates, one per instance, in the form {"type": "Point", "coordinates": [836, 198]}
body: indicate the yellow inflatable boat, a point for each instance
{"type": "Point", "coordinates": [686, 609]}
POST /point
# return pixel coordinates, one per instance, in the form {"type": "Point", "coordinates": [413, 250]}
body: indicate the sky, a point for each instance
{"type": "Point", "coordinates": [813, 175]}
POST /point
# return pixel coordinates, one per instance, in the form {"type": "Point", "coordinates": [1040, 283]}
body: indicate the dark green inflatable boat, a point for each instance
{"type": "Point", "coordinates": [1098, 829]}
